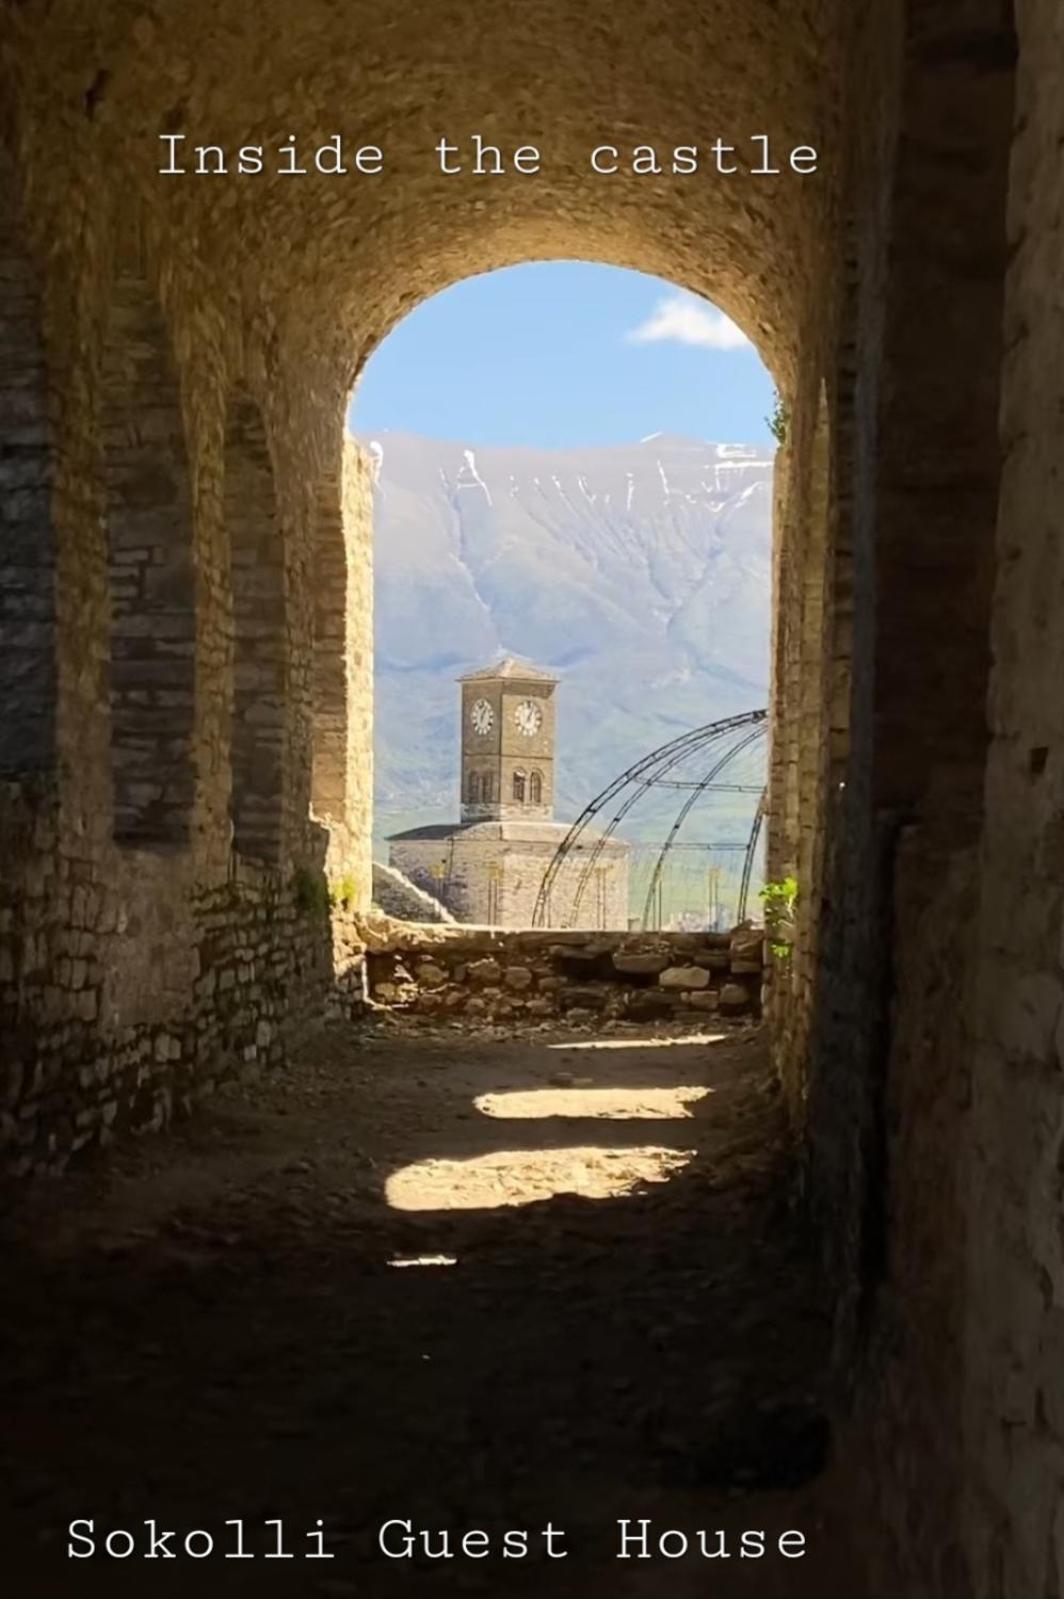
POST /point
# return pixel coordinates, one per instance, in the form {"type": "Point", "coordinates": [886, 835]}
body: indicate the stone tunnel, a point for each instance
{"type": "Point", "coordinates": [186, 581]}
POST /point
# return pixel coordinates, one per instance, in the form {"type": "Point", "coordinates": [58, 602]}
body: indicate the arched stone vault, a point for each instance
{"type": "Point", "coordinates": [919, 1050]}
{"type": "Point", "coordinates": [345, 257]}
{"type": "Point", "coordinates": [281, 286]}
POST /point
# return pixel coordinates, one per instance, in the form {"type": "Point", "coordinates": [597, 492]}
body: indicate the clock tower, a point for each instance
{"type": "Point", "coordinates": [508, 743]}
{"type": "Point", "coordinates": [489, 868]}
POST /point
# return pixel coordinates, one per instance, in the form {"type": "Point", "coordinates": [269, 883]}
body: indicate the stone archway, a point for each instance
{"type": "Point", "coordinates": [285, 284]}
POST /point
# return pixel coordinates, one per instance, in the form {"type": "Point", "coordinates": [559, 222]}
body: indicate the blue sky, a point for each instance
{"type": "Point", "coordinates": [563, 353]}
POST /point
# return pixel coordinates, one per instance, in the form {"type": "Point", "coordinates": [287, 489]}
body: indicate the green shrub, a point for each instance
{"type": "Point", "coordinates": [779, 900]}
{"type": "Point", "coordinates": [342, 891]}
{"type": "Point", "coordinates": [310, 892]}
{"type": "Point", "coordinates": [777, 423]}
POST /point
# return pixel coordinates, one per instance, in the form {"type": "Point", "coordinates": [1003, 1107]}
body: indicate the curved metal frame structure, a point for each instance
{"type": "Point", "coordinates": [651, 771]}
{"type": "Point", "coordinates": [751, 852]}
{"type": "Point", "coordinates": [697, 790]}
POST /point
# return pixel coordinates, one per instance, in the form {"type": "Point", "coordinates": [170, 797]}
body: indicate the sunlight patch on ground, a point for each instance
{"type": "Point", "coordinates": [521, 1176]}
{"type": "Point", "coordinates": [641, 1043]}
{"type": "Point", "coordinates": [403, 1261]}
{"type": "Point", "coordinates": [615, 1104]}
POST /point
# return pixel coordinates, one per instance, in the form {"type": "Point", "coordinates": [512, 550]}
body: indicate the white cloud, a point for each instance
{"type": "Point", "coordinates": [685, 319]}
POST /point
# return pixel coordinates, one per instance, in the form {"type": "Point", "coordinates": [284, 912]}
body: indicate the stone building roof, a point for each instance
{"type": "Point", "coordinates": [434, 830]}
{"type": "Point", "coordinates": [529, 832]}
{"type": "Point", "coordinates": [510, 667]}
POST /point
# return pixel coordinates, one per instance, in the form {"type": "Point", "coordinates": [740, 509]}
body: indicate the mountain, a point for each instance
{"type": "Point", "coordinates": [640, 573]}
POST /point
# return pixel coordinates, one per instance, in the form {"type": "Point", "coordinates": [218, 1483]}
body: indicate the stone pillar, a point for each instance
{"type": "Point", "coordinates": [260, 635]}
{"type": "Point", "coordinates": [148, 508]}
{"type": "Point", "coordinates": [27, 538]}
{"type": "Point", "coordinates": [343, 671]}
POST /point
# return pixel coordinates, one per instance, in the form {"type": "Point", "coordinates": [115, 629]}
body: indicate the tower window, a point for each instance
{"type": "Point", "coordinates": [487, 787]}
{"type": "Point", "coordinates": [535, 789]}
{"type": "Point", "coordinates": [520, 780]}
{"type": "Point", "coordinates": [473, 788]}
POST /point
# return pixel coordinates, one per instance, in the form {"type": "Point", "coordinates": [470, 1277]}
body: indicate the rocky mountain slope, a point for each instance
{"type": "Point", "coordinates": [640, 573]}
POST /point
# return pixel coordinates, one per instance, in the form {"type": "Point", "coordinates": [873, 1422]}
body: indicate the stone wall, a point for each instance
{"type": "Point", "coordinates": [27, 540]}
{"type": "Point", "coordinates": [893, 1062]}
{"type": "Point", "coordinates": [151, 669]}
{"type": "Point", "coordinates": [342, 581]}
{"type": "Point", "coordinates": [122, 1003]}
{"type": "Point", "coordinates": [483, 976]}
{"type": "Point", "coordinates": [260, 664]}
{"type": "Point", "coordinates": [1011, 1175]}
{"type": "Point", "coordinates": [164, 888]}
{"type": "Point", "coordinates": [396, 896]}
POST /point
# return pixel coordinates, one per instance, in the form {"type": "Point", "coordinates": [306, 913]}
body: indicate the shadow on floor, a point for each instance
{"type": "Point", "coordinates": [235, 1323]}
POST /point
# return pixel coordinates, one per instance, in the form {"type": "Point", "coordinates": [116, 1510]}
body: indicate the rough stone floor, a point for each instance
{"type": "Point", "coordinates": [477, 1283]}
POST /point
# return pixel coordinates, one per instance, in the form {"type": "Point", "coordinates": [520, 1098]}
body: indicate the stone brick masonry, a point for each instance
{"type": "Point", "coordinates": [484, 976]}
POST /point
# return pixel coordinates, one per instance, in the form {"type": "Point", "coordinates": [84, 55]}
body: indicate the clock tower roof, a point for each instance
{"type": "Point", "coordinates": [509, 667]}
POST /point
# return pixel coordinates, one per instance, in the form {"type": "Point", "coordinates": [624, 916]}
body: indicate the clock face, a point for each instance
{"type": "Point", "coordinates": [528, 718]}
{"type": "Point", "coordinates": [482, 717]}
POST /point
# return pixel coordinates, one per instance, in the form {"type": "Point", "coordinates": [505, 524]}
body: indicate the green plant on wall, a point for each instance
{"type": "Point", "coordinates": [779, 899]}
{"type": "Point", "coordinates": [310, 892]}
{"type": "Point", "coordinates": [342, 891]}
{"type": "Point", "coordinates": [778, 420]}
{"type": "Point", "coordinates": [314, 896]}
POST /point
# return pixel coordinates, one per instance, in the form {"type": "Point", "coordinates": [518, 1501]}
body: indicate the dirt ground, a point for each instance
{"type": "Point", "coordinates": [471, 1283]}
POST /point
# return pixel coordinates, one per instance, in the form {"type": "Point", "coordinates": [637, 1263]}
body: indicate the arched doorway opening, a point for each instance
{"type": "Point", "coordinates": [544, 515]}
